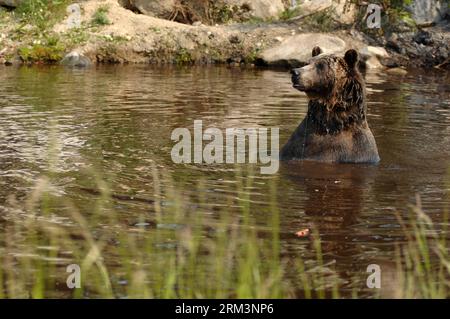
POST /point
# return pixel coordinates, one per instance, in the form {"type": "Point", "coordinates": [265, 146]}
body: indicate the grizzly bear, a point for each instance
{"type": "Point", "coordinates": [335, 128]}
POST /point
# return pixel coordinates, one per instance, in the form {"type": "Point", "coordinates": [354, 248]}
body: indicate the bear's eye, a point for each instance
{"type": "Point", "coordinates": [320, 66]}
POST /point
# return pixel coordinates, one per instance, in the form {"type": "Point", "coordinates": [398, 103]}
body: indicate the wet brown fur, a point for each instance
{"type": "Point", "coordinates": [335, 128]}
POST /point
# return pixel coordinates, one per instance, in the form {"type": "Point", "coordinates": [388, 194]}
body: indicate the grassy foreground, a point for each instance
{"type": "Point", "coordinates": [176, 254]}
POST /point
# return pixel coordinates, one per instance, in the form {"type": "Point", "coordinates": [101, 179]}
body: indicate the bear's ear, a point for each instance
{"type": "Point", "coordinates": [351, 58]}
{"type": "Point", "coordinates": [316, 51]}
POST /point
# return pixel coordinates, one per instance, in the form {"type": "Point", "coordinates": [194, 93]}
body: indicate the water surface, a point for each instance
{"type": "Point", "coordinates": [118, 120]}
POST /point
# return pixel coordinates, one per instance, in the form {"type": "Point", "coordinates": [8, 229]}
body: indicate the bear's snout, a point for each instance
{"type": "Point", "coordinates": [296, 79]}
{"type": "Point", "coordinates": [295, 72]}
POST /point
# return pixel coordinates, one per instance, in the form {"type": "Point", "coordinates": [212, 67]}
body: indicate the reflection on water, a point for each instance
{"type": "Point", "coordinates": [119, 120]}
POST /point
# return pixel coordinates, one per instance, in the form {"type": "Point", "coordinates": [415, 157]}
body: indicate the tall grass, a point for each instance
{"type": "Point", "coordinates": [423, 263]}
{"type": "Point", "coordinates": [181, 251]}
{"type": "Point", "coordinates": [162, 261]}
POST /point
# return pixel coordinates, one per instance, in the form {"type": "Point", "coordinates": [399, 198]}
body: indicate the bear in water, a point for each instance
{"type": "Point", "coordinates": [335, 128]}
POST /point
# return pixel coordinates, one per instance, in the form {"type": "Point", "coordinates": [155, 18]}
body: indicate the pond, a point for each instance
{"type": "Point", "coordinates": [114, 124]}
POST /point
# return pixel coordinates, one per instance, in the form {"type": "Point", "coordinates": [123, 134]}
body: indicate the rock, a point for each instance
{"type": "Point", "coordinates": [423, 37]}
{"type": "Point", "coordinates": [190, 11]}
{"type": "Point", "coordinates": [10, 3]}
{"type": "Point", "coordinates": [75, 59]}
{"type": "Point", "coordinates": [296, 50]}
{"type": "Point", "coordinates": [74, 16]}
{"type": "Point", "coordinates": [311, 6]}
{"type": "Point", "coordinates": [155, 8]}
{"type": "Point", "coordinates": [393, 43]}
{"type": "Point", "coordinates": [397, 71]}
{"type": "Point", "coordinates": [369, 51]}
{"type": "Point", "coordinates": [234, 39]}
{"type": "Point", "coordinates": [372, 63]}
{"type": "Point", "coordinates": [371, 56]}
{"type": "Point", "coordinates": [390, 63]}
{"type": "Point", "coordinates": [341, 10]}
{"type": "Point", "coordinates": [2, 58]}
{"type": "Point", "coordinates": [197, 23]}
{"type": "Point", "coordinates": [443, 52]}
{"type": "Point", "coordinates": [344, 11]}
{"type": "Point", "coordinates": [444, 65]}
{"type": "Point", "coordinates": [262, 9]}
{"type": "Point", "coordinates": [429, 11]}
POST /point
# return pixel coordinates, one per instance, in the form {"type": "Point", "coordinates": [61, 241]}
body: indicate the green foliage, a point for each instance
{"type": "Point", "coordinates": [113, 38]}
{"type": "Point", "coordinates": [42, 13]}
{"type": "Point", "coordinates": [252, 56]}
{"type": "Point", "coordinates": [224, 14]}
{"type": "Point", "coordinates": [424, 261]}
{"type": "Point", "coordinates": [290, 13]}
{"type": "Point", "coordinates": [76, 36]}
{"type": "Point", "coordinates": [3, 14]}
{"type": "Point", "coordinates": [255, 20]}
{"type": "Point", "coordinates": [400, 3]}
{"type": "Point", "coordinates": [190, 255]}
{"type": "Point", "coordinates": [398, 16]}
{"type": "Point", "coordinates": [183, 56]}
{"type": "Point", "coordinates": [321, 21]}
{"type": "Point", "coordinates": [50, 52]}
{"type": "Point", "coordinates": [100, 16]}
{"type": "Point", "coordinates": [395, 16]}
{"type": "Point", "coordinates": [155, 30]}
{"type": "Point", "coordinates": [109, 50]}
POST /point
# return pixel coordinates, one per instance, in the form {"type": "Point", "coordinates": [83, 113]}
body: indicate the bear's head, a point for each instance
{"type": "Point", "coordinates": [335, 88]}
{"type": "Point", "coordinates": [320, 77]}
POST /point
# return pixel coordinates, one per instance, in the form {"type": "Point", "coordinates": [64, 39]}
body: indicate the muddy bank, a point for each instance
{"type": "Point", "coordinates": [107, 32]}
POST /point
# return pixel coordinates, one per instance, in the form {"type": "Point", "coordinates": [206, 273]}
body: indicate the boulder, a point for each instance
{"type": "Point", "coordinates": [165, 9]}
{"type": "Point", "coordinates": [429, 11]}
{"type": "Point", "coordinates": [10, 3]}
{"type": "Point", "coordinates": [397, 71]}
{"type": "Point", "coordinates": [371, 56]}
{"type": "Point", "coordinates": [342, 11]}
{"type": "Point", "coordinates": [76, 59]}
{"type": "Point", "coordinates": [369, 51]}
{"type": "Point", "coordinates": [74, 16]}
{"type": "Point", "coordinates": [312, 6]}
{"type": "Point", "coordinates": [155, 8]}
{"type": "Point", "coordinates": [296, 50]}
{"type": "Point", "coordinates": [262, 9]}
{"type": "Point", "coordinates": [372, 63]}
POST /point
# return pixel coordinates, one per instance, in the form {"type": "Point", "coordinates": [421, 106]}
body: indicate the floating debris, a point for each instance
{"type": "Point", "coordinates": [303, 233]}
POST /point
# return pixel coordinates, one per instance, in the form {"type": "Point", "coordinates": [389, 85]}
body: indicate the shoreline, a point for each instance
{"type": "Point", "coordinates": [135, 38]}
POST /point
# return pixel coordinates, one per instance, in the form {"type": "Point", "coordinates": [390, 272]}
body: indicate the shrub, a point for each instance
{"type": "Point", "coordinates": [100, 16]}
{"type": "Point", "coordinates": [50, 52]}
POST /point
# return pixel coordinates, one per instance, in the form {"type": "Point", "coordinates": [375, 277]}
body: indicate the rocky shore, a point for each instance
{"type": "Point", "coordinates": [110, 31]}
